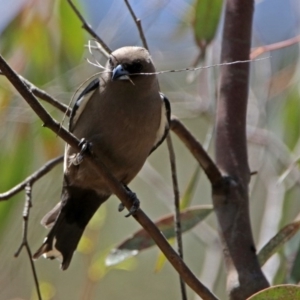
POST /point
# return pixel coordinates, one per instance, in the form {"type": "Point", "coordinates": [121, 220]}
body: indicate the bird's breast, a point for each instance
{"type": "Point", "coordinates": [122, 130]}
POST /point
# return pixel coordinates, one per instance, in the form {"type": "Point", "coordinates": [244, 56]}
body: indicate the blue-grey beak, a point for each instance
{"type": "Point", "coordinates": [119, 73]}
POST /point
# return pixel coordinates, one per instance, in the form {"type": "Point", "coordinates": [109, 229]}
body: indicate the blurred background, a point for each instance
{"type": "Point", "coordinates": [43, 41]}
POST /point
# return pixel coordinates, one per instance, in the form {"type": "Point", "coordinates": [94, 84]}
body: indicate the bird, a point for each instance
{"type": "Point", "coordinates": [121, 117]}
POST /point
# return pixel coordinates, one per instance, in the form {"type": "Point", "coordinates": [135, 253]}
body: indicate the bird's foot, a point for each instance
{"type": "Point", "coordinates": [135, 203]}
{"type": "Point", "coordinates": [86, 147]}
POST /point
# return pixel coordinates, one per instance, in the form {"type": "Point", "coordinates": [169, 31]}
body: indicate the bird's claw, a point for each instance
{"type": "Point", "coordinates": [121, 207]}
{"type": "Point", "coordinates": [135, 203]}
{"type": "Point", "coordinates": [86, 147]}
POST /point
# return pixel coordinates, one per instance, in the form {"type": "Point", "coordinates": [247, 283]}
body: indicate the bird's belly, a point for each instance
{"type": "Point", "coordinates": [123, 158]}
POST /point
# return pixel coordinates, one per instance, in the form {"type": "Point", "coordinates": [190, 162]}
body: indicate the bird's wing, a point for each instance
{"type": "Point", "coordinates": [82, 101]}
{"type": "Point", "coordinates": [164, 122]}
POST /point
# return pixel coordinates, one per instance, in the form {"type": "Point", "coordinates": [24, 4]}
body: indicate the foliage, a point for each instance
{"type": "Point", "coordinates": [44, 43]}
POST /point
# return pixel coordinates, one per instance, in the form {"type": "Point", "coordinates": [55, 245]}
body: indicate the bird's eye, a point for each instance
{"type": "Point", "coordinates": [110, 62]}
{"type": "Point", "coordinates": [135, 67]}
{"type": "Point", "coordinates": [138, 66]}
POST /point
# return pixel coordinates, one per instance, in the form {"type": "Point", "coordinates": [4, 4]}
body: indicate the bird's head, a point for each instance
{"type": "Point", "coordinates": [128, 62]}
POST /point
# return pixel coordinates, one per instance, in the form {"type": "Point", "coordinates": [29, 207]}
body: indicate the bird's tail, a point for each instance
{"type": "Point", "coordinates": [76, 209]}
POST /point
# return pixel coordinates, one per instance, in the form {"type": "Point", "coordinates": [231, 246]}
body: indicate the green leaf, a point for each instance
{"type": "Point", "coordinates": [141, 239]}
{"type": "Point", "coordinates": [98, 268]}
{"type": "Point", "coordinates": [13, 169]}
{"type": "Point", "coordinates": [285, 234]}
{"type": "Point", "coordinates": [47, 289]}
{"type": "Point", "coordinates": [295, 269]}
{"type": "Point", "coordinates": [30, 41]}
{"type": "Point", "coordinates": [186, 199]}
{"type": "Point", "coordinates": [206, 20]}
{"type": "Point", "coordinates": [279, 292]}
{"type": "Point", "coordinates": [72, 35]}
{"type": "Point", "coordinates": [291, 118]}
{"type": "Point", "coordinates": [161, 260]}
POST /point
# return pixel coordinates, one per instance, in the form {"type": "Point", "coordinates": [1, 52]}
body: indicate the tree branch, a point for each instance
{"type": "Point", "coordinates": [267, 48]}
{"type": "Point", "coordinates": [177, 221]}
{"type": "Point", "coordinates": [230, 197]}
{"type": "Point", "coordinates": [89, 29]}
{"type": "Point", "coordinates": [26, 211]}
{"type": "Point", "coordinates": [207, 164]}
{"type": "Point", "coordinates": [32, 178]}
{"type": "Point", "coordinates": [112, 183]}
{"type": "Point", "coordinates": [138, 24]}
{"type": "Point", "coordinates": [45, 96]}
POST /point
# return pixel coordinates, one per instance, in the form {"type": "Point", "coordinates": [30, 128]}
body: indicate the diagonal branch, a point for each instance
{"type": "Point", "coordinates": [138, 23]}
{"type": "Point", "coordinates": [112, 183]}
{"type": "Point", "coordinates": [267, 48]}
{"type": "Point", "coordinates": [45, 96]}
{"type": "Point", "coordinates": [207, 164]}
{"type": "Point", "coordinates": [32, 178]}
{"type": "Point", "coordinates": [89, 29]}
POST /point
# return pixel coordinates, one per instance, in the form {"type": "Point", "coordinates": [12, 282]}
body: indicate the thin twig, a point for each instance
{"type": "Point", "coordinates": [47, 167]}
{"type": "Point", "coordinates": [46, 97]}
{"type": "Point", "coordinates": [207, 164]}
{"type": "Point", "coordinates": [43, 95]}
{"type": "Point", "coordinates": [66, 109]}
{"type": "Point", "coordinates": [177, 221]}
{"type": "Point", "coordinates": [26, 211]}
{"type": "Point", "coordinates": [172, 162]}
{"type": "Point", "coordinates": [267, 48]}
{"type": "Point", "coordinates": [198, 68]}
{"type": "Point", "coordinates": [138, 24]}
{"type": "Point", "coordinates": [113, 184]}
{"type": "Point", "coordinates": [89, 29]}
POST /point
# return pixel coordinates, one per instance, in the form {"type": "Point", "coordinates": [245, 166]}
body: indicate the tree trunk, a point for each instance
{"type": "Point", "coordinates": [230, 197]}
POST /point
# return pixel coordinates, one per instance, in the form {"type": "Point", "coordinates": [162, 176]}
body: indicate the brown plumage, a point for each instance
{"type": "Point", "coordinates": [124, 117]}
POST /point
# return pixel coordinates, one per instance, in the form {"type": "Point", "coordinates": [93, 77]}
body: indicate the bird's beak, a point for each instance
{"type": "Point", "coordinates": [119, 73]}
